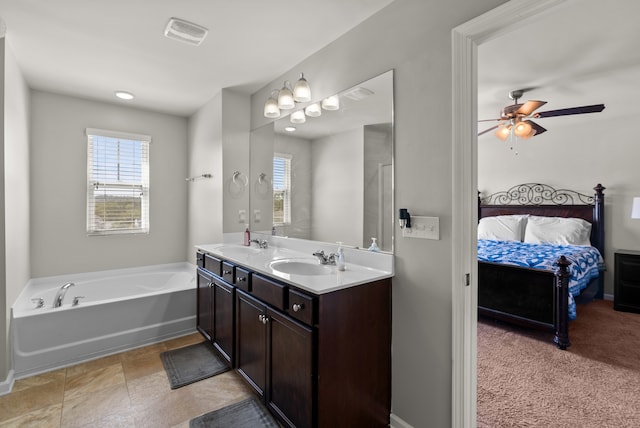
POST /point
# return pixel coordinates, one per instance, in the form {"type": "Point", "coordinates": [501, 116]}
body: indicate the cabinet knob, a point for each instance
{"type": "Point", "coordinates": [297, 307]}
{"type": "Point", "coordinates": [263, 318]}
{"type": "Point", "coordinates": [226, 272]}
{"type": "Point", "coordinates": [241, 279]}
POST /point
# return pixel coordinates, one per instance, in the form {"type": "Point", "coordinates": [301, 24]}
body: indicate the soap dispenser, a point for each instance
{"type": "Point", "coordinates": [374, 247]}
{"type": "Point", "coordinates": [340, 258]}
{"type": "Point", "coordinates": [247, 236]}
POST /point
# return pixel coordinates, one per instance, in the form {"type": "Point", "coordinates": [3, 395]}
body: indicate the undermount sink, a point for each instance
{"type": "Point", "coordinates": [237, 250]}
{"type": "Point", "coordinates": [300, 267]}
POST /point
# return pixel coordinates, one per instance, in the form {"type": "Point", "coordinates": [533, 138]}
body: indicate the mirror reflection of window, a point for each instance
{"type": "Point", "coordinates": [281, 189]}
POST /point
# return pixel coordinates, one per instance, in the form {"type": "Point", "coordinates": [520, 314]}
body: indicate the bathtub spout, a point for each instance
{"type": "Point", "coordinates": [57, 302]}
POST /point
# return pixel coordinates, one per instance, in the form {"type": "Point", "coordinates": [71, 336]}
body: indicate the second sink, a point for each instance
{"type": "Point", "coordinates": [300, 267]}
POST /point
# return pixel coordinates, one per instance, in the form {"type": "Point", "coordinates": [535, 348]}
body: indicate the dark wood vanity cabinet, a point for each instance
{"type": "Point", "coordinates": [317, 360]}
{"type": "Point", "coordinates": [275, 356]}
{"type": "Point", "coordinates": [204, 313]}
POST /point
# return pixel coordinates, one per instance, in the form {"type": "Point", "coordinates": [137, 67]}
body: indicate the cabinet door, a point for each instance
{"type": "Point", "coordinates": [251, 340]}
{"type": "Point", "coordinates": [204, 315]}
{"type": "Point", "coordinates": [290, 370]}
{"type": "Point", "coordinates": [223, 319]}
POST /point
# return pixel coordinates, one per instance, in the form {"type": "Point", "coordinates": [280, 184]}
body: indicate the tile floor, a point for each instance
{"type": "Point", "coordinates": [129, 389]}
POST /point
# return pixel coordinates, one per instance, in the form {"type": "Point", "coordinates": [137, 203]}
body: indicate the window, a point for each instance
{"type": "Point", "coordinates": [281, 189]}
{"type": "Point", "coordinates": [117, 182]}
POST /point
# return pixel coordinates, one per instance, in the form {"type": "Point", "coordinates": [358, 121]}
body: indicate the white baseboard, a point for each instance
{"type": "Point", "coordinates": [396, 422]}
{"type": "Point", "coordinates": [608, 297]}
{"type": "Point", "coordinates": [7, 385]}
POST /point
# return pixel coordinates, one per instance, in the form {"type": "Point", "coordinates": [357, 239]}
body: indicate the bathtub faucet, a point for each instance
{"type": "Point", "coordinates": [57, 302]}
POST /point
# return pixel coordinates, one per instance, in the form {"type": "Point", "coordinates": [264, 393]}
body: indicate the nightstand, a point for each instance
{"type": "Point", "coordinates": [626, 286]}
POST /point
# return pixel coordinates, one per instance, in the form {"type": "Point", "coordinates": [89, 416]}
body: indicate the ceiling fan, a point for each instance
{"type": "Point", "coordinates": [516, 120]}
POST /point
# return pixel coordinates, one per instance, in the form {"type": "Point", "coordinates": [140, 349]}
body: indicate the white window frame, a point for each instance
{"type": "Point", "coordinates": [97, 185]}
{"type": "Point", "coordinates": [285, 190]}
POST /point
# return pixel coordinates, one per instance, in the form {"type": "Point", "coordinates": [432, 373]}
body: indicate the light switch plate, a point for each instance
{"type": "Point", "coordinates": [257, 216]}
{"type": "Point", "coordinates": [423, 227]}
{"type": "Point", "coordinates": [242, 216]}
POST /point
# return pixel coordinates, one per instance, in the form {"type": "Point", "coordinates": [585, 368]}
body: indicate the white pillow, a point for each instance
{"type": "Point", "coordinates": [502, 227]}
{"type": "Point", "coordinates": [558, 231]}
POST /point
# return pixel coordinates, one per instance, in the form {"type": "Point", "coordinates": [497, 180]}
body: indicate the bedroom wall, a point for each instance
{"type": "Point", "coordinates": [58, 187]}
{"type": "Point", "coordinates": [414, 38]}
{"type": "Point", "coordinates": [576, 153]}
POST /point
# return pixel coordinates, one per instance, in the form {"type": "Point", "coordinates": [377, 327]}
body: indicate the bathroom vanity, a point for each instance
{"type": "Point", "coordinates": [313, 342]}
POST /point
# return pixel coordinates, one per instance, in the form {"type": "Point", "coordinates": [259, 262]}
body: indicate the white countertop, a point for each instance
{"type": "Point", "coordinates": [361, 266]}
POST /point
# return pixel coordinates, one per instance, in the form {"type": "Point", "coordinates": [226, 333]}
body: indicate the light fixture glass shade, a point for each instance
{"type": "Point", "coordinates": [298, 117]}
{"type": "Point", "coordinates": [271, 109]}
{"type": "Point", "coordinates": [331, 103]}
{"type": "Point", "coordinates": [635, 209]}
{"type": "Point", "coordinates": [285, 97]}
{"type": "Point", "coordinates": [313, 110]}
{"type": "Point", "coordinates": [302, 90]}
{"type": "Point", "coordinates": [124, 95]}
{"type": "Point", "coordinates": [524, 130]}
{"type": "Point", "coordinates": [290, 128]}
{"type": "Point", "coordinates": [503, 132]}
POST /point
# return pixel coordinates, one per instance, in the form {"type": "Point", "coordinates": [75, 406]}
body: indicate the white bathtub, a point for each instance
{"type": "Point", "coordinates": [121, 309]}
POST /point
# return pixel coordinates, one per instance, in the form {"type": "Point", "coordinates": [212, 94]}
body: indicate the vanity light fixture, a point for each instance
{"type": "Point", "coordinates": [298, 117]}
{"type": "Point", "coordinates": [331, 103]}
{"type": "Point", "coordinates": [271, 109]}
{"type": "Point", "coordinates": [290, 128]}
{"type": "Point", "coordinates": [124, 95]}
{"type": "Point", "coordinates": [313, 110]}
{"type": "Point", "coordinates": [287, 97]}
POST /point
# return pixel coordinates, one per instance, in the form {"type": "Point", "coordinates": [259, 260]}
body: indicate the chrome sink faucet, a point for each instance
{"type": "Point", "coordinates": [262, 243]}
{"type": "Point", "coordinates": [57, 301]}
{"type": "Point", "coordinates": [325, 259]}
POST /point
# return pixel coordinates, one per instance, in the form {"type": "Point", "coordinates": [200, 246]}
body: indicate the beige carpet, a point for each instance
{"type": "Point", "coordinates": [525, 381]}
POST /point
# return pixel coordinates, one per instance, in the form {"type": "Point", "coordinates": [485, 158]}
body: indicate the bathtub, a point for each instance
{"type": "Point", "coordinates": [120, 309]}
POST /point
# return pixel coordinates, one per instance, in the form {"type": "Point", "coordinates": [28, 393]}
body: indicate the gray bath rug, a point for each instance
{"type": "Point", "coordinates": [249, 413]}
{"type": "Point", "coordinates": [192, 363]}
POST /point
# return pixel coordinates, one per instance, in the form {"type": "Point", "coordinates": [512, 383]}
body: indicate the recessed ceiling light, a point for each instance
{"type": "Point", "coordinates": [123, 95]}
{"type": "Point", "coordinates": [290, 128]}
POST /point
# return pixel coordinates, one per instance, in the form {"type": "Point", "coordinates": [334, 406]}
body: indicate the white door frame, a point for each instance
{"type": "Point", "coordinates": [465, 41]}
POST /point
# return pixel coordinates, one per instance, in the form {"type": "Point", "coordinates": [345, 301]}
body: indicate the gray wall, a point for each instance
{"type": "Point", "coordinates": [14, 194]}
{"type": "Point", "coordinates": [414, 38]}
{"type": "Point", "coordinates": [59, 242]}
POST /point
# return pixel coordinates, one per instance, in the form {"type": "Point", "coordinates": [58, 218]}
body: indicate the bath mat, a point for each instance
{"type": "Point", "coordinates": [192, 363]}
{"type": "Point", "coordinates": [249, 413]}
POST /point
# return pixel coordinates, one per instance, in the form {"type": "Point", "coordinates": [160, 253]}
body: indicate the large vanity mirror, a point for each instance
{"type": "Point", "coordinates": [331, 178]}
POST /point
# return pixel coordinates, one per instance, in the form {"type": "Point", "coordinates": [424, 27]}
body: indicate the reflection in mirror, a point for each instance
{"type": "Point", "coordinates": [330, 179]}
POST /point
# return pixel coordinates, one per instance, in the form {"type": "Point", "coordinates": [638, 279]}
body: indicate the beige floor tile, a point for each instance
{"type": "Point", "coordinates": [182, 341]}
{"type": "Point", "coordinates": [56, 376]}
{"type": "Point", "coordinates": [108, 407]}
{"type": "Point", "coordinates": [47, 417]}
{"type": "Point", "coordinates": [26, 400]}
{"type": "Point", "coordinates": [92, 365]}
{"type": "Point", "coordinates": [95, 380]}
{"type": "Point", "coordinates": [165, 410]}
{"type": "Point", "coordinates": [149, 388]}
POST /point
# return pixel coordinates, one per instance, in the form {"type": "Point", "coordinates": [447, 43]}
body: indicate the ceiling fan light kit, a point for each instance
{"type": "Point", "coordinates": [514, 119]}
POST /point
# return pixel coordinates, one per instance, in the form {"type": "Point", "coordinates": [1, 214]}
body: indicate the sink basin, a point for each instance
{"type": "Point", "coordinates": [237, 250]}
{"type": "Point", "coordinates": [300, 267]}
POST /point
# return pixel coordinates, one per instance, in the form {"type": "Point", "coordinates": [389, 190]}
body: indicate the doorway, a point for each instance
{"type": "Point", "coordinates": [465, 40]}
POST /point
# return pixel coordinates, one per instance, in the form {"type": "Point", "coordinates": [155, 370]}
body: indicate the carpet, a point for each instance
{"type": "Point", "coordinates": [192, 363]}
{"type": "Point", "coordinates": [525, 381]}
{"type": "Point", "coordinates": [249, 413]}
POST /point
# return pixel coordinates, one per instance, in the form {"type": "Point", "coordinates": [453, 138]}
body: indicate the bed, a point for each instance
{"type": "Point", "coordinates": [539, 290]}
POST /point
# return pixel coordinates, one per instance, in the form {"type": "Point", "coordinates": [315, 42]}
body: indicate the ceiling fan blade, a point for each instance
{"type": "Point", "coordinates": [596, 108]}
{"type": "Point", "coordinates": [487, 130]}
{"type": "Point", "coordinates": [539, 129]}
{"type": "Point", "coordinates": [529, 107]}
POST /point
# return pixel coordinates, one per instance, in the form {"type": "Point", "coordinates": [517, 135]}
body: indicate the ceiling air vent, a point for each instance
{"type": "Point", "coordinates": [184, 31]}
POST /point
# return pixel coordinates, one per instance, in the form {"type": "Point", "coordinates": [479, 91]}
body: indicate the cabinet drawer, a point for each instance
{"type": "Point", "coordinates": [228, 272]}
{"type": "Point", "coordinates": [269, 291]}
{"type": "Point", "coordinates": [212, 264]}
{"type": "Point", "coordinates": [243, 279]}
{"type": "Point", "coordinates": [302, 307]}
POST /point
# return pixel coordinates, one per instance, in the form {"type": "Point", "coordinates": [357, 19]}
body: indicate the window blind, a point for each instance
{"type": "Point", "coordinates": [281, 189]}
{"type": "Point", "coordinates": [117, 182]}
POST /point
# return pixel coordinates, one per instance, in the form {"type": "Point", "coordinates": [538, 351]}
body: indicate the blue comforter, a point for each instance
{"type": "Point", "coordinates": [585, 261]}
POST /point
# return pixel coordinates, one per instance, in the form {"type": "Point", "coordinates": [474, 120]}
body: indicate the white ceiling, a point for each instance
{"type": "Point", "coordinates": [583, 52]}
{"type": "Point", "coordinates": [91, 48]}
